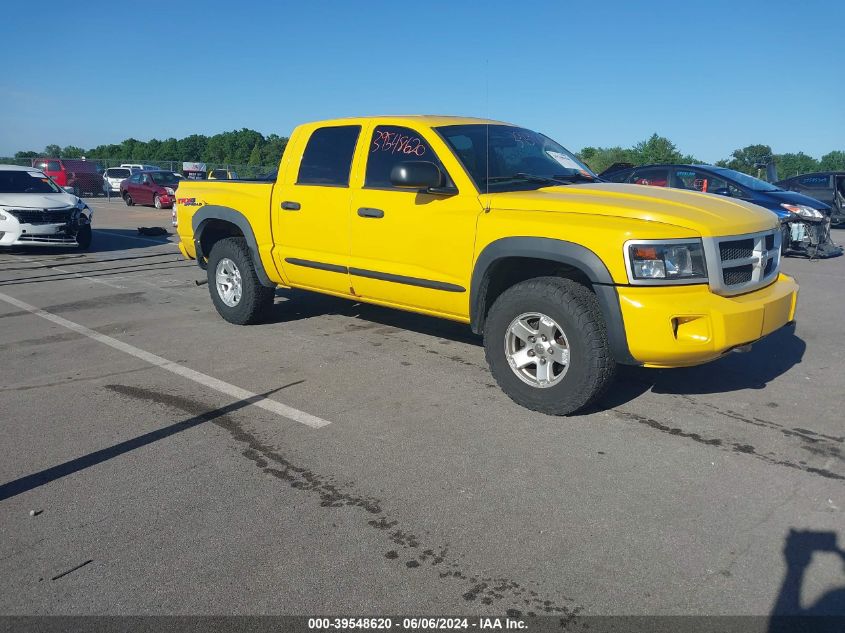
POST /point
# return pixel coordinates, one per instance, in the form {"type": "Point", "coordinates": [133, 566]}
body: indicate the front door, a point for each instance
{"type": "Point", "coordinates": [310, 210]}
{"type": "Point", "coordinates": [410, 248]}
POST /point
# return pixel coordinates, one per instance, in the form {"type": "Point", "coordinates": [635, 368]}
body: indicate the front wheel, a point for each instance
{"type": "Point", "coordinates": [157, 202]}
{"type": "Point", "coordinates": [83, 237]}
{"type": "Point", "coordinates": [235, 289]}
{"type": "Point", "coordinates": [546, 344]}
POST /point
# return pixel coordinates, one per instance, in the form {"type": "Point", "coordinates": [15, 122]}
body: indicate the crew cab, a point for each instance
{"type": "Point", "coordinates": [34, 211]}
{"type": "Point", "coordinates": [501, 228]}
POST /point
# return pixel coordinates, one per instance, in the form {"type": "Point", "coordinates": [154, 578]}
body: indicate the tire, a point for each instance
{"type": "Point", "coordinates": [84, 237]}
{"type": "Point", "coordinates": [231, 255]}
{"type": "Point", "coordinates": [157, 202]}
{"type": "Point", "coordinates": [128, 200]}
{"type": "Point", "coordinates": [576, 315]}
{"type": "Point", "coordinates": [785, 236]}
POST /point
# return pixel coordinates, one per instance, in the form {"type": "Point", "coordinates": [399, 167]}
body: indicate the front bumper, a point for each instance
{"type": "Point", "coordinates": [38, 235]}
{"type": "Point", "coordinates": [681, 326]}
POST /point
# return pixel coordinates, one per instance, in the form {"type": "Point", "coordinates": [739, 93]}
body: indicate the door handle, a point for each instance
{"type": "Point", "coordinates": [287, 205]}
{"type": "Point", "coordinates": [367, 212]}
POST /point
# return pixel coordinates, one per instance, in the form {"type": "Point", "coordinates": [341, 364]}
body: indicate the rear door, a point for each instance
{"type": "Point", "coordinates": [310, 209]}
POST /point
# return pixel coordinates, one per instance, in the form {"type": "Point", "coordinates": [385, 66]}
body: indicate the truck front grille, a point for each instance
{"type": "Point", "coordinates": [42, 216]}
{"type": "Point", "coordinates": [742, 263]}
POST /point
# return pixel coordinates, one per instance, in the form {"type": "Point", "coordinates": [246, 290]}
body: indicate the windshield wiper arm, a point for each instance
{"type": "Point", "coordinates": [560, 179]}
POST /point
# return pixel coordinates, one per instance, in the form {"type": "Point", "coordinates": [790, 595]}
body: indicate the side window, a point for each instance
{"type": "Point", "coordinates": [391, 145]}
{"type": "Point", "coordinates": [136, 178]}
{"type": "Point", "coordinates": [701, 181]}
{"type": "Point", "coordinates": [327, 159]}
{"type": "Point", "coordinates": [654, 176]}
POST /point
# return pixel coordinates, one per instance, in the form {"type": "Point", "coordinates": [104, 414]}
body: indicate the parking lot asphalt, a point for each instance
{"type": "Point", "coordinates": [136, 477]}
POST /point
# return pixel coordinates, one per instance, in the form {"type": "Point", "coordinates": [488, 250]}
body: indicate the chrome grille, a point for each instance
{"type": "Point", "coordinates": [737, 249]}
{"type": "Point", "coordinates": [42, 216]}
{"type": "Point", "coordinates": [742, 263]}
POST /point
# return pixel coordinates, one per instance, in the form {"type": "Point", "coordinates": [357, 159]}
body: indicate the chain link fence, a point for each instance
{"type": "Point", "coordinates": [250, 172]}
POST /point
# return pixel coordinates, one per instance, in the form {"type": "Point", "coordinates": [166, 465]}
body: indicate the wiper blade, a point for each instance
{"type": "Point", "coordinates": [560, 179]}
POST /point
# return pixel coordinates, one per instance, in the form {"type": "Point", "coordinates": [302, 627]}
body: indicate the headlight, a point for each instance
{"type": "Point", "coordinates": [169, 190]}
{"type": "Point", "coordinates": [656, 262]}
{"type": "Point", "coordinates": [803, 211]}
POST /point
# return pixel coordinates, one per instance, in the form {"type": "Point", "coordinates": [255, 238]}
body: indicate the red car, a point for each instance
{"type": "Point", "coordinates": [82, 175]}
{"type": "Point", "coordinates": [157, 188]}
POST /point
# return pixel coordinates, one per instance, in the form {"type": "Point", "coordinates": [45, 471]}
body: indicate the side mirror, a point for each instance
{"type": "Point", "coordinates": [417, 174]}
{"type": "Point", "coordinates": [68, 189]}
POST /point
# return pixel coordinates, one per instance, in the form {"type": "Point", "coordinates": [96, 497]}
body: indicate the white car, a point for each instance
{"type": "Point", "coordinates": [140, 167]}
{"type": "Point", "coordinates": [35, 211]}
{"type": "Point", "coordinates": [113, 176]}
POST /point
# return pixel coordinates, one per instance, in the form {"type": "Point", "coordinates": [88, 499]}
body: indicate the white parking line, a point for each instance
{"type": "Point", "coordinates": [203, 379]}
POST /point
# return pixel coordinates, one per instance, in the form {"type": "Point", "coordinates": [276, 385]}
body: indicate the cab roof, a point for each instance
{"type": "Point", "coordinates": [430, 120]}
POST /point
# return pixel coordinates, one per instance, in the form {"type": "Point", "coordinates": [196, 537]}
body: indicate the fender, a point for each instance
{"type": "Point", "coordinates": [568, 253]}
{"type": "Point", "coordinates": [200, 221]}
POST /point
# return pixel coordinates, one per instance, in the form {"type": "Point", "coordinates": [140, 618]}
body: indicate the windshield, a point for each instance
{"type": "Point", "coordinates": [118, 172]}
{"type": "Point", "coordinates": [519, 159]}
{"type": "Point", "coordinates": [26, 182]}
{"type": "Point", "coordinates": [749, 182]}
{"type": "Point", "coordinates": [164, 178]}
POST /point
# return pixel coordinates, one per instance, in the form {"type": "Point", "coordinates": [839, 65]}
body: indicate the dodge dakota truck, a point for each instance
{"type": "Point", "coordinates": [501, 228]}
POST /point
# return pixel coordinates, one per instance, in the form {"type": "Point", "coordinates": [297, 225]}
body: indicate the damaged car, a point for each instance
{"type": "Point", "coordinates": [805, 222]}
{"type": "Point", "coordinates": [35, 211]}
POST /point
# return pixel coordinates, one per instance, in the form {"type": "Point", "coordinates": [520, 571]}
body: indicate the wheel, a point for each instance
{"type": "Point", "coordinates": [83, 237]}
{"type": "Point", "coordinates": [128, 200]}
{"type": "Point", "coordinates": [237, 293]}
{"type": "Point", "coordinates": [785, 236]}
{"type": "Point", "coordinates": [546, 344]}
{"type": "Point", "coordinates": [157, 202]}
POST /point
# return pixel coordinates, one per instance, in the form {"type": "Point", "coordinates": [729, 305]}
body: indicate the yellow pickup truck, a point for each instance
{"type": "Point", "coordinates": [502, 228]}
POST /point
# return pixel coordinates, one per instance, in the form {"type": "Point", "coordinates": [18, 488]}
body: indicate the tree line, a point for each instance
{"type": "Point", "coordinates": [248, 147]}
{"type": "Point", "coordinates": [238, 147]}
{"type": "Point", "coordinates": [750, 159]}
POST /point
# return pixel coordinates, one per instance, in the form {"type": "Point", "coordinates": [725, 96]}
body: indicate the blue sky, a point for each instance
{"type": "Point", "coordinates": [712, 76]}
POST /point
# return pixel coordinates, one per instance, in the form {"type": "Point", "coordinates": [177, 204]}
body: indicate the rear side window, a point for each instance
{"type": "Point", "coordinates": [391, 145]}
{"type": "Point", "coordinates": [49, 165]}
{"type": "Point", "coordinates": [654, 176]}
{"type": "Point", "coordinates": [328, 156]}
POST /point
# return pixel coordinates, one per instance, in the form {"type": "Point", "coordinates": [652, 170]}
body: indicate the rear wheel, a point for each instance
{"type": "Point", "coordinates": [235, 289]}
{"type": "Point", "coordinates": [128, 200]}
{"type": "Point", "coordinates": [546, 343]}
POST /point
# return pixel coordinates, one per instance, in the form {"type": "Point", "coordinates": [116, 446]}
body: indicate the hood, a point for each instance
{"type": "Point", "coordinates": [793, 197]}
{"type": "Point", "coordinates": [38, 200]}
{"type": "Point", "coordinates": [705, 214]}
